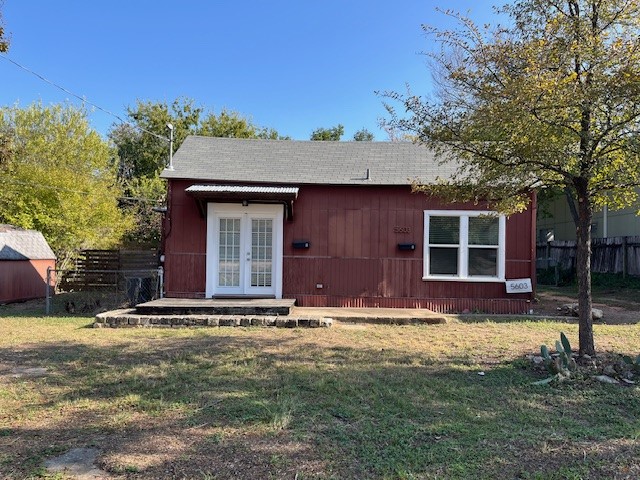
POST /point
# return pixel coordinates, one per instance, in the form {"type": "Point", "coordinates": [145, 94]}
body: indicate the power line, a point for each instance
{"type": "Point", "coordinates": [82, 98]}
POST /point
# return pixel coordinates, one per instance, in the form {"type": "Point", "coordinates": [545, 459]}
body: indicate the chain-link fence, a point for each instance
{"type": "Point", "coordinates": [89, 292]}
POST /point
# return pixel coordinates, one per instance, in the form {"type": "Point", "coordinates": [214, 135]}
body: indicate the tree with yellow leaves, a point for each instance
{"type": "Point", "coordinates": [551, 99]}
{"type": "Point", "coordinates": [57, 176]}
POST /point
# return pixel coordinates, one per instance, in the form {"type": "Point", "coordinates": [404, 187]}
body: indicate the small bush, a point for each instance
{"type": "Point", "coordinates": [547, 276]}
{"type": "Point", "coordinates": [614, 281]}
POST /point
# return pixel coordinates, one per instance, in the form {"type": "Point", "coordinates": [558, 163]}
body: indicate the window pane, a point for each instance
{"type": "Point", "coordinates": [444, 230]}
{"type": "Point", "coordinates": [483, 262]}
{"type": "Point", "coordinates": [443, 261]}
{"type": "Point", "coordinates": [229, 253]}
{"type": "Point", "coordinates": [261, 247]}
{"type": "Point", "coordinates": [483, 230]}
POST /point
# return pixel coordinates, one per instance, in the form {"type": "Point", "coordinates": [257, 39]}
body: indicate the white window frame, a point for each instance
{"type": "Point", "coordinates": [463, 246]}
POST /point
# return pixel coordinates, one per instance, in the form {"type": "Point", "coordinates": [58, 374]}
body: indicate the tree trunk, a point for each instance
{"type": "Point", "coordinates": [583, 270]}
{"type": "Point", "coordinates": [572, 206]}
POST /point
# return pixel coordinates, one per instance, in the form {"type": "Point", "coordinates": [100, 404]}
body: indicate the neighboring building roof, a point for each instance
{"type": "Point", "coordinates": [19, 244]}
{"type": "Point", "coordinates": [305, 162]}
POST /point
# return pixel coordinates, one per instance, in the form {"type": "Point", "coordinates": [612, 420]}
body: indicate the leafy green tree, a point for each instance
{"type": "Point", "coordinates": [233, 125]}
{"type": "Point", "coordinates": [552, 99]}
{"type": "Point", "coordinates": [143, 150]}
{"type": "Point", "coordinates": [4, 41]}
{"type": "Point", "coordinates": [6, 144]}
{"type": "Point", "coordinates": [142, 146]}
{"type": "Point", "coordinates": [332, 134]}
{"type": "Point", "coordinates": [363, 135]}
{"type": "Point", "coordinates": [143, 195]}
{"type": "Point", "coordinates": [57, 177]}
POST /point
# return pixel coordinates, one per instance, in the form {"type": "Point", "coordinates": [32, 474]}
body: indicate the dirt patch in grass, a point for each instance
{"type": "Point", "coordinates": [617, 311]}
{"type": "Point", "coordinates": [78, 463]}
{"type": "Point", "coordinates": [212, 452]}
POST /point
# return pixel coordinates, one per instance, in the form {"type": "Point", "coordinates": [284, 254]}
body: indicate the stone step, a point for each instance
{"type": "Point", "coordinates": [214, 306]}
{"type": "Point", "coordinates": [131, 318]}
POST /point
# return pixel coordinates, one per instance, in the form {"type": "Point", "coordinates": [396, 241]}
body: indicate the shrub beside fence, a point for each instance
{"type": "Point", "coordinates": [619, 255]}
{"type": "Point", "coordinates": [93, 291]}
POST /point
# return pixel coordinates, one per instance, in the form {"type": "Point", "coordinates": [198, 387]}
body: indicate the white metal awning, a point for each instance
{"type": "Point", "coordinates": [245, 194]}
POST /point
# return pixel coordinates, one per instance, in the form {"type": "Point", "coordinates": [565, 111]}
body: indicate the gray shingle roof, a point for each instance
{"type": "Point", "coordinates": [18, 244]}
{"type": "Point", "coordinates": [305, 162]}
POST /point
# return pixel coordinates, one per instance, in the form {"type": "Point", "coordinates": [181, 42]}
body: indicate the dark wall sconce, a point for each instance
{"type": "Point", "coordinates": [301, 244]}
{"type": "Point", "coordinates": [406, 246]}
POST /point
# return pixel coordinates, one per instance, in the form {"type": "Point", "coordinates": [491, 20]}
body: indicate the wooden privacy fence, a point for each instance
{"type": "Point", "coordinates": [609, 255]}
{"type": "Point", "coordinates": [99, 268]}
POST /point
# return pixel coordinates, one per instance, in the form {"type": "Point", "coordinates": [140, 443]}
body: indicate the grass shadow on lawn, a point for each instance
{"type": "Point", "coordinates": [271, 406]}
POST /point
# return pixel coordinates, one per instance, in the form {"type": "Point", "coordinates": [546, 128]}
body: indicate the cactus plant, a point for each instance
{"type": "Point", "coordinates": [635, 363]}
{"type": "Point", "coordinates": [565, 355]}
{"type": "Point", "coordinates": [565, 344]}
{"type": "Point", "coordinates": [563, 364]}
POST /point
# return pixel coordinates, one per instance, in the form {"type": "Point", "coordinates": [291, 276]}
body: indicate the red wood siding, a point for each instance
{"type": "Point", "coordinates": [353, 252]}
{"type": "Point", "coordinates": [23, 280]}
{"type": "Point", "coordinates": [184, 244]}
{"type": "Point", "coordinates": [440, 305]}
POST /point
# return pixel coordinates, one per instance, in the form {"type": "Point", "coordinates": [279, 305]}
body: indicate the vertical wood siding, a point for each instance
{"type": "Point", "coordinates": [23, 280]}
{"type": "Point", "coordinates": [353, 253]}
{"type": "Point", "coordinates": [184, 242]}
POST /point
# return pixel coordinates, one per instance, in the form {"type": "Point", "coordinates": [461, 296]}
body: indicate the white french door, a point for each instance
{"type": "Point", "coordinates": [244, 250]}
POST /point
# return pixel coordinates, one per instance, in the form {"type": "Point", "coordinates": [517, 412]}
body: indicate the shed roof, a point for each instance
{"type": "Point", "coordinates": [19, 244]}
{"type": "Point", "coordinates": [305, 162]}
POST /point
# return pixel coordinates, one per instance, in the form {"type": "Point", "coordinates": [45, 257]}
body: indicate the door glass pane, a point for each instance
{"type": "Point", "coordinates": [483, 262]}
{"type": "Point", "coordinates": [443, 261]}
{"type": "Point", "coordinates": [229, 253]}
{"type": "Point", "coordinates": [483, 230]}
{"type": "Point", "coordinates": [444, 230]}
{"type": "Point", "coordinates": [261, 252]}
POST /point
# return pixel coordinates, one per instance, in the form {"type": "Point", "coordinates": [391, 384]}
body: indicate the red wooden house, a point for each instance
{"type": "Point", "coordinates": [335, 224]}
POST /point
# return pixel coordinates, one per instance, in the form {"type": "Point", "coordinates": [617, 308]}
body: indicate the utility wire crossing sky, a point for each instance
{"type": "Point", "coordinates": [288, 65]}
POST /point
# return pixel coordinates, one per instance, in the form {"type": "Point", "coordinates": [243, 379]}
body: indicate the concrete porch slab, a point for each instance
{"type": "Point", "coordinates": [379, 316]}
{"type": "Point", "coordinates": [215, 306]}
{"type": "Point", "coordinates": [299, 317]}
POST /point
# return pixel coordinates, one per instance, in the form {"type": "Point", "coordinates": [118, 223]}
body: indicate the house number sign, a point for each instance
{"type": "Point", "coordinates": [519, 285]}
{"type": "Point", "coordinates": [401, 229]}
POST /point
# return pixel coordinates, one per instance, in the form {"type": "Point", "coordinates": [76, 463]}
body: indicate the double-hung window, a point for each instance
{"type": "Point", "coordinates": [464, 245]}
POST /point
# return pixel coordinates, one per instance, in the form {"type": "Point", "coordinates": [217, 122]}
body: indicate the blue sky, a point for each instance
{"type": "Point", "coordinates": [292, 65]}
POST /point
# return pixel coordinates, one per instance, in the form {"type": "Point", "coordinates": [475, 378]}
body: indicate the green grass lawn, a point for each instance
{"type": "Point", "coordinates": [344, 402]}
